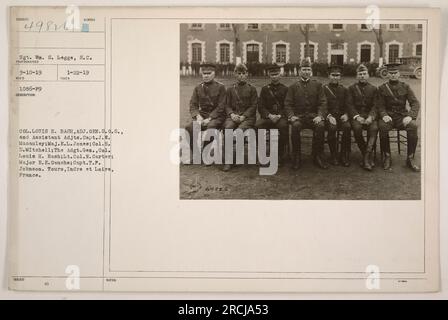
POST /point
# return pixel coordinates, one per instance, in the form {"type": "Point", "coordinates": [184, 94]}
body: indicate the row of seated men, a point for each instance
{"type": "Point", "coordinates": [307, 103]}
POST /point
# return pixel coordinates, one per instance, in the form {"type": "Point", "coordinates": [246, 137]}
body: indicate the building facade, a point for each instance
{"type": "Point", "coordinates": [285, 43]}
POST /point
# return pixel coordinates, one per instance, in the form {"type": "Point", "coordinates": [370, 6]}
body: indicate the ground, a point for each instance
{"type": "Point", "coordinates": [310, 182]}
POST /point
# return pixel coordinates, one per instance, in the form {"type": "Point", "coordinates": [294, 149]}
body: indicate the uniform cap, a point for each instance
{"type": "Point", "coordinates": [392, 66]}
{"type": "Point", "coordinates": [240, 68]}
{"type": "Point", "coordinates": [305, 63]}
{"type": "Point", "coordinates": [361, 68]}
{"type": "Point", "coordinates": [208, 66]}
{"type": "Point", "coordinates": [273, 68]}
{"type": "Point", "coordinates": [335, 68]}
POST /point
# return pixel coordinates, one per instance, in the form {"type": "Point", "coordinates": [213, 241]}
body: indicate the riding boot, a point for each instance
{"type": "Point", "coordinates": [333, 153]}
{"type": "Point", "coordinates": [296, 153]}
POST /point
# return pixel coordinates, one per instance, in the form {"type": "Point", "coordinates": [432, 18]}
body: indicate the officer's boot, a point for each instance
{"type": "Point", "coordinates": [281, 151]}
{"type": "Point", "coordinates": [319, 160]}
{"type": "Point", "coordinates": [318, 148]}
{"type": "Point", "coordinates": [296, 153]}
{"type": "Point", "coordinates": [368, 153]}
{"type": "Point", "coordinates": [204, 144]}
{"type": "Point", "coordinates": [412, 145]}
{"type": "Point", "coordinates": [411, 164]}
{"type": "Point", "coordinates": [387, 161]}
{"type": "Point", "coordinates": [228, 166]}
{"type": "Point", "coordinates": [363, 150]}
{"type": "Point", "coordinates": [372, 153]}
{"type": "Point", "coordinates": [385, 148]}
{"type": "Point", "coordinates": [366, 160]}
{"type": "Point", "coordinates": [345, 150]}
{"type": "Point", "coordinates": [372, 159]}
{"type": "Point", "coordinates": [262, 140]}
{"type": "Point", "coordinates": [333, 152]}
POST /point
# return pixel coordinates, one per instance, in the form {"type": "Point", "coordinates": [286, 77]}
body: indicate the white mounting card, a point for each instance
{"type": "Point", "coordinates": [100, 97]}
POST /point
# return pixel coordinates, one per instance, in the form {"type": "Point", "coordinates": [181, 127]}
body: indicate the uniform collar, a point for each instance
{"type": "Point", "coordinates": [363, 84]}
{"type": "Point", "coordinates": [393, 82]}
{"type": "Point", "coordinates": [241, 83]}
{"type": "Point", "coordinates": [305, 80]}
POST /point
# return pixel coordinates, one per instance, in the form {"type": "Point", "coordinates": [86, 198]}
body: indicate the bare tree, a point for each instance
{"type": "Point", "coordinates": [378, 31]}
{"type": "Point", "coordinates": [305, 29]}
{"type": "Point", "coordinates": [236, 37]}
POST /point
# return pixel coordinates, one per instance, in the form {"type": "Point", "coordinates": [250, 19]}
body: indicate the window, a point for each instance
{"type": "Point", "coordinates": [196, 50]}
{"type": "Point", "coordinates": [310, 52]}
{"type": "Point", "coordinates": [393, 53]}
{"type": "Point", "coordinates": [224, 53]}
{"type": "Point", "coordinates": [224, 26]}
{"type": "Point", "coordinates": [418, 50]}
{"type": "Point", "coordinates": [368, 27]}
{"type": "Point", "coordinates": [253, 53]}
{"type": "Point", "coordinates": [394, 27]}
{"type": "Point", "coordinates": [337, 53]}
{"type": "Point", "coordinates": [196, 26]}
{"type": "Point", "coordinates": [253, 26]}
{"type": "Point", "coordinates": [366, 50]}
{"type": "Point", "coordinates": [337, 46]}
{"type": "Point", "coordinates": [280, 53]}
{"type": "Point", "coordinates": [337, 27]}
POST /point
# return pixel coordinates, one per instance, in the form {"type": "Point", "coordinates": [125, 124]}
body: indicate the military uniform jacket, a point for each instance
{"type": "Point", "coordinates": [306, 98]}
{"type": "Point", "coordinates": [242, 99]}
{"type": "Point", "coordinates": [336, 99]}
{"type": "Point", "coordinates": [393, 102]}
{"type": "Point", "coordinates": [208, 100]}
{"type": "Point", "coordinates": [361, 99]}
{"type": "Point", "coordinates": [272, 100]}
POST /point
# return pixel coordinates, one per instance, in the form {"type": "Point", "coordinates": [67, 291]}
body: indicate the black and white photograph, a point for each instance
{"type": "Point", "coordinates": [230, 150]}
{"type": "Point", "coordinates": [301, 111]}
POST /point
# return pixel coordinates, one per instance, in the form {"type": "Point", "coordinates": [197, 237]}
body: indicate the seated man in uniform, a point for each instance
{"type": "Point", "coordinates": [271, 109]}
{"type": "Point", "coordinates": [392, 97]}
{"type": "Point", "coordinates": [361, 105]}
{"type": "Point", "coordinates": [306, 107]}
{"type": "Point", "coordinates": [207, 102]}
{"type": "Point", "coordinates": [337, 118]}
{"type": "Point", "coordinates": [241, 104]}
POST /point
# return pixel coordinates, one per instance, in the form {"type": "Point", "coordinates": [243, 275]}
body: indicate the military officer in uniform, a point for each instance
{"type": "Point", "coordinates": [337, 118]}
{"type": "Point", "coordinates": [306, 107]}
{"type": "Point", "coordinates": [241, 104]}
{"type": "Point", "coordinates": [271, 109]}
{"type": "Point", "coordinates": [361, 105]}
{"type": "Point", "coordinates": [393, 113]}
{"type": "Point", "coordinates": [207, 102]}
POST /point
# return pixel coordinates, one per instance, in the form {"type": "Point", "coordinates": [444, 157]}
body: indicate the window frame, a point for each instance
{"type": "Point", "coordinates": [220, 46]}
{"type": "Point", "coordinates": [393, 45]}
{"type": "Point", "coordinates": [229, 28]}
{"type": "Point", "coordinates": [394, 29]}
{"type": "Point", "coordinates": [337, 30]}
{"type": "Point", "coordinates": [285, 47]}
{"type": "Point", "coordinates": [193, 45]}
{"type": "Point", "coordinates": [251, 29]}
{"type": "Point", "coordinates": [191, 27]}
